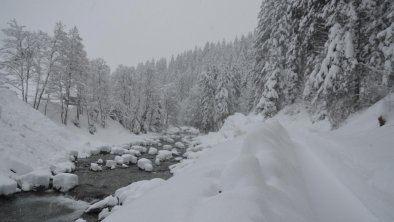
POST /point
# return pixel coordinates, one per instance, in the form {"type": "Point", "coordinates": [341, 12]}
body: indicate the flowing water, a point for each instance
{"type": "Point", "coordinates": [53, 206]}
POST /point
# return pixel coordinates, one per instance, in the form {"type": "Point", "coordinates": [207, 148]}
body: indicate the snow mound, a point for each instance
{"type": "Point", "coordinates": [95, 167]}
{"type": "Point", "coordinates": [65, 181]}
{"type": "Point", "coordinates": [164, 155]}
{"type": "Point", "coordinates": [35, 179]}
{"type": "Point", "coordinates": [7, 186]}
{"type": "Point", "coordinates": [29, 141]}
{"type": "Point", "coordinates": [152, 151]}
{"type": "Point", "coordinates": [145, 164]}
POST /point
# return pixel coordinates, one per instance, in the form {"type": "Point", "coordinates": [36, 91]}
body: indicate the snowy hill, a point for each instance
{"type": "Point", "coordinates": [29, 140]}
{"type": "Point", "coordinates": [283, 169]}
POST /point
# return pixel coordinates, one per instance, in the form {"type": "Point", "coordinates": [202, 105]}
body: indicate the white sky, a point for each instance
{"type": "Point", "coordinates": [131, 31]}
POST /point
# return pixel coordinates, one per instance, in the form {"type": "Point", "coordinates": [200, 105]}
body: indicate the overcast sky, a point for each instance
{"type": "Point", "coordinates": [131, 31]}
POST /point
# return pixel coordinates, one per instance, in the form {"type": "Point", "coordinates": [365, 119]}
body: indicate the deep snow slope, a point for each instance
{"type": "Point", "coordinates": [283, 169]}
{"type": "Point", "coordinates": [28, 140]}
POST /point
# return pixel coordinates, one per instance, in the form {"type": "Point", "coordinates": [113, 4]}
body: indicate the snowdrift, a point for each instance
{"type": "Point", "coordinates": [31, 144]}
{"type": "Point", "coordinates": [283, 169]}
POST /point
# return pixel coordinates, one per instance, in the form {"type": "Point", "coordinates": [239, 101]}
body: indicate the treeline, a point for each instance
{"type": "Point", "coordinates": [335, 55]}
{"type": "Point", "coordinates": [147, 97]}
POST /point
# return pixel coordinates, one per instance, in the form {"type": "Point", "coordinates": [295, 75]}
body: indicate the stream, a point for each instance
{"type": "Point", "coordinates": [52, 206]}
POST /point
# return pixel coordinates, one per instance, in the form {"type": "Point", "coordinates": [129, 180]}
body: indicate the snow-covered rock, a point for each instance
{"type": "Point", "coordinates": [134, 153]}
{"type": "Point", "coordinates": [175, 152]}
{"type": "Point", "coordinates": [100, 161]}
{"type": "Point", "coordinates": [64, 167]}
{"type": "Point", "coordinates": [157, 161]}
{"type": "Point", "coordinates": [167, 147]}
{"type": "Point", "coordinates": [109, 201]}
{"type": "Point", "coordinates": [117, 150]}
{"type": "Point", "coordinates": [103, 214]}
{"type": "Point", "coordinates": [128, 158]}
{"type": "Point", "coordinates": [95, 167]}
{"type": "Point", "coordinates": [145, 164]}
{"type": "Point", "coordinates": [164, 155]}
{"type": "Point", "coordinates": [104, 149]}
{"type": "Point", "coordinates": [180, 145]}
{"type": "Point", "coordinates": [7, 186]}
{"type": "Point", "coordinates": [110, 164]}
{"type": "Point", "coordinates": [35, 179]}
{"type": "Point", "coordinates": [140, 149]}
{"type": "Point", "coordinates": [65, 181]}
{"type": "Point", "coordinates": [168, 139]}
{"type": "Point", "coordinates": [152, 151]}
{"type": "Point", "coordinates": [80, 220]}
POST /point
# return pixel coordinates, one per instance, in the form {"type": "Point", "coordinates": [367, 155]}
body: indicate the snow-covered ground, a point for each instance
{"type": "Point", "coordinates": [32, 147]}
{"type": "Point", "coordinates": [283, 169]}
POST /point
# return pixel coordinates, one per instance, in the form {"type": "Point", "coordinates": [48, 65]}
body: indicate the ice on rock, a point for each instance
{"type": "Point", "coordinates": [116, 150]}
{"type": "Point", "coordinates": [152, 151]}
{"type": "Point", "coordinates": [164, 155]}
{"type": "Point", "coordinates": [167, 147]}
{"type": "Point", "coordinates": [65, 181]}
{"type": "Point", "coordinates": [7, 185]}
{"type": "Point", "coordinates": [145, 164]}
{"type": "Point", "coordinates": [109, 201]}
{"type": "Point", "coordinates": [34, 179]}
{"type": "Point", "coordinates": [110, 164]}
{"type": "Point", "coordinates": [140, 149]}
{"type": "Point", "coordinates": [95, 167]}
{"type": "Point", "coordinates": [180, 145]}
{"type": "Point", "coordinates": [125, 165]}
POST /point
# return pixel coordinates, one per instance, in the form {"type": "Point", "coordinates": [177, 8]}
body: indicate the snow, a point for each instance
{"type": "Point", "coordinates": [116, 150]}
{"type": "Point", "coordinates": [130, 193]}
{"type": "Point", "coordinates": [65, 181]}
{"type": "Point", "coordinates": [164, 155]}
{"type": "Point", "coordinates": [128, 158]}
{"type": "Point", "coordinates": [110, 164]}
{"type": "Point", "coordinates": [109, 201]}
{"type": "Point", "coordinates": [95, 167]}
{"type": "Point", "coordinates": [175, 152]}
{"type": "Point", "coordinates": [140, 149]}
{"type": "Point", "coordinates": [145, 164]}
{"type": "Point", "coordinates": [152, 151]}
{"type": "Point", "coordinates": [31, 144]}
{"type": "Point", "coordinates": [7, 186]}
{"type": "Point", "coordinates": [35, 179]}
{"type": "Point", "coordinates": [179, 145]}
{"type": "Point", "coordinates": [103, 214]}
{"type": "Point", "coordinates": [283, 169]}
{"type": "Point", "coordinates": [167, 147]}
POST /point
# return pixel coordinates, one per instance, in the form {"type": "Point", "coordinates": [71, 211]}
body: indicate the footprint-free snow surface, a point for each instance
{"type": "Point", "coordinates": [283, 169]}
